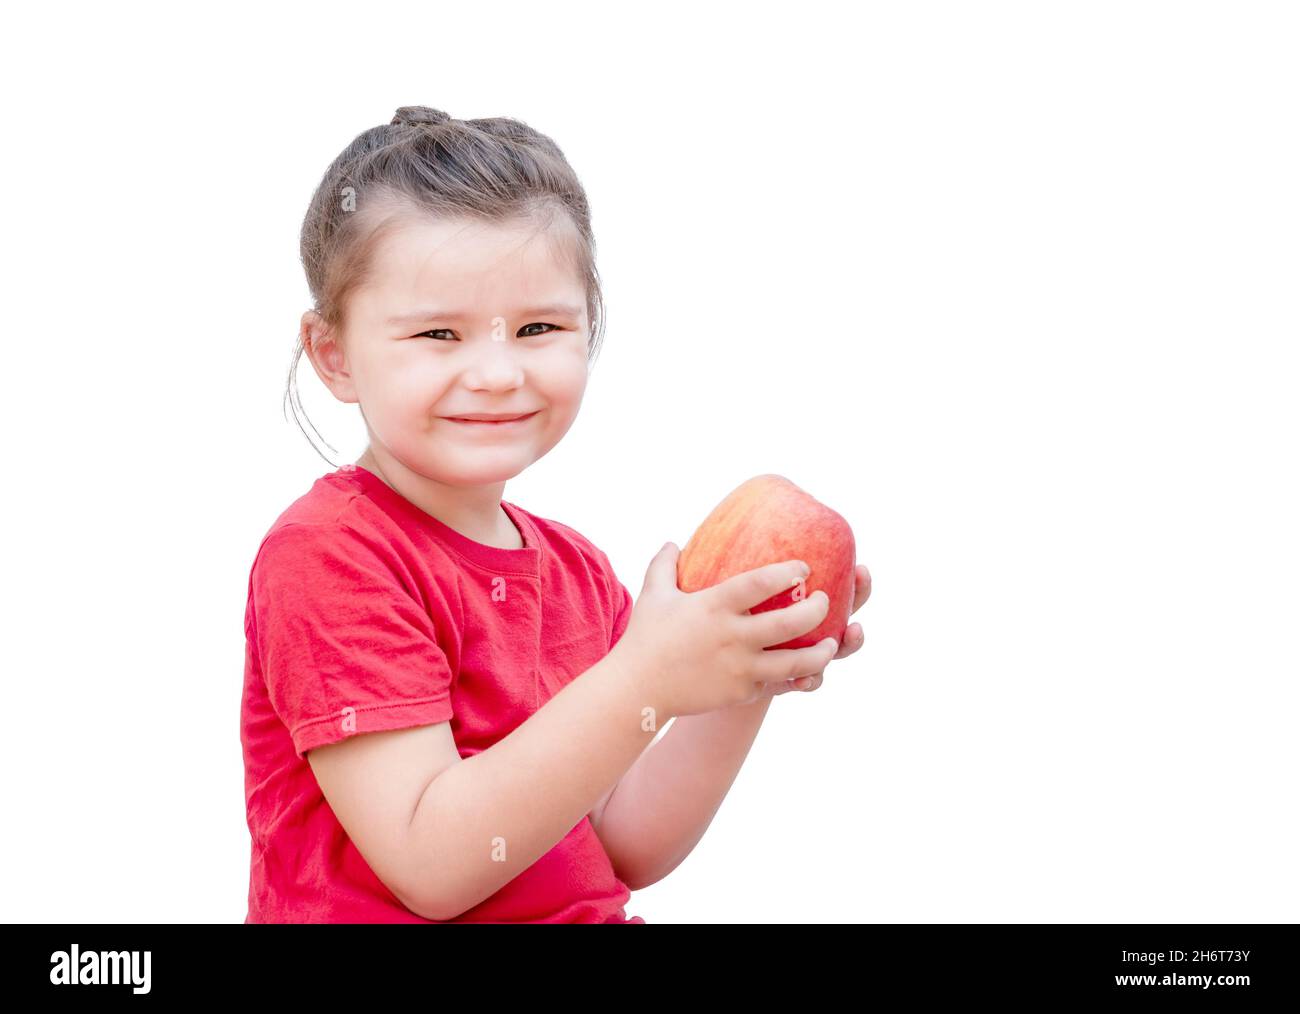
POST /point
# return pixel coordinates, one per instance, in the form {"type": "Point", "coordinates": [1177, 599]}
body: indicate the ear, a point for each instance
{"type": "Point", "coordinates": [328, 357]}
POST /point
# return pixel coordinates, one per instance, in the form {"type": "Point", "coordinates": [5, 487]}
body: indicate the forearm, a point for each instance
{"type": "Point", "coordinates": [667, 799]}
{"type": "Point", "coordinates": [486, 819]}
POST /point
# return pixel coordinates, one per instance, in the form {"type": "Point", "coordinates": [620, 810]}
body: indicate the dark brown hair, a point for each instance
{"type": "Point", "coordinates": [424, 162]}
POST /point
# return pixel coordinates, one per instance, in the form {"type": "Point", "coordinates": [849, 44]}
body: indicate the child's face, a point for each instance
{"type": "Point", "coordinates": [509, 336]}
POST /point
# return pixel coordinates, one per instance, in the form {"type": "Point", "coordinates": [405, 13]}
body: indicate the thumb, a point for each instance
{"type": "Point", "coordinates": [663, 567]}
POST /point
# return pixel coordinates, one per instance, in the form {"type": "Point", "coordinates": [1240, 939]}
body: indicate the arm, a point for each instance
{"type": "Point", "coordinates": [660, 809]}
{"type": "Point", "coordinates": [483, 821]}
{"type": "Point", "coordinates": [662, 806]}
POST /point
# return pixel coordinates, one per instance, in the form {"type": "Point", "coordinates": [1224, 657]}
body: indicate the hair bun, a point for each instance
{"type": "Point", "coordinates": [419, 114]}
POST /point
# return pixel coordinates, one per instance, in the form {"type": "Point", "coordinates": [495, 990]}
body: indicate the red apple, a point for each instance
{"type": "Point", "coordinates": [769, 519]}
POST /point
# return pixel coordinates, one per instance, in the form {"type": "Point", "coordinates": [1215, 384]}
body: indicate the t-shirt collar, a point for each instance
{"type": "Point", "coordinates": [494, 557]}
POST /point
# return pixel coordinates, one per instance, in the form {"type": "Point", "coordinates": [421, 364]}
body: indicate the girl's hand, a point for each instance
{"type": "Point", "coordinates": [851, 642]}
{"type": "Point", "coordinates": [701, 651]}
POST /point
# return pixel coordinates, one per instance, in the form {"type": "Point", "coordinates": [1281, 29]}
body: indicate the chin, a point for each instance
{"type": "Point", "coordinates": [480, 472]}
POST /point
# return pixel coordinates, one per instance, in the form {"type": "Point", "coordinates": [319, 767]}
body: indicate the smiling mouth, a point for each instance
{"type": "Point", "coordinates": [511, 421]}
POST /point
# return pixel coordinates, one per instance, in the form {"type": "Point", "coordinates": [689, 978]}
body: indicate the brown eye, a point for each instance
{"type": "Point", "coordinates": [553, 327]}
{"type": "Point", "coordinates": [441, 330]}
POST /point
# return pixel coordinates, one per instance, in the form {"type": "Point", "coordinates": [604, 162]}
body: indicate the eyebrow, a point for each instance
{"type": "Point", "coordinates": [419, 316]}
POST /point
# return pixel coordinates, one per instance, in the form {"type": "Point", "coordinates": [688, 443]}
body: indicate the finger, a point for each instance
{"type": "Point", "coordinates": [743, 591]}
{"type": "Point", "coordinates": [663, 568]}
{"type": "Point", "coordinates": [779, 687]}
{"type": "Point", "coordinates": [801, 684]}
{"type": "Point", "coordinates": [776, 626]}
{"type": "Point", "coordinates": [853, 640]}
{"type": "Point", "coordinates": [862, 588]}
{"type": "Point", "coordinates": [775, 689]}
{"type": "Point", "coordinates": [791, 663]}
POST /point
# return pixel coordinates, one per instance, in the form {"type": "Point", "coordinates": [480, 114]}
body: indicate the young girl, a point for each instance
{"type": "Point", "coordinates": [447, 698]}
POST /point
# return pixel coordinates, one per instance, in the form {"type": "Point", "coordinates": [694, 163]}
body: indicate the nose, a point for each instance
{"type": "Point", "coordinates": [495, 367]}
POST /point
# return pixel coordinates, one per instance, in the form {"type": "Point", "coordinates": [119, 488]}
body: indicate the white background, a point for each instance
{"type": "Point", "coordinates": [1011, 286]}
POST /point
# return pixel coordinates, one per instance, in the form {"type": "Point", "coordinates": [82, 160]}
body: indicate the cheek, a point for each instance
{"type": "Point", "coordinates": [562, 377]}
{"type": "Point", "coordinates": [409, 385]}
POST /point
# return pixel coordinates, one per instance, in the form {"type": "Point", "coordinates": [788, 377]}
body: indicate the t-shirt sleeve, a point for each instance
{"type": "Point", "coordinates": [622, 611]}
{"type": "Point", "coordinates": [344, 647]}
{"type": "Point", "coordinates": [620, 603]}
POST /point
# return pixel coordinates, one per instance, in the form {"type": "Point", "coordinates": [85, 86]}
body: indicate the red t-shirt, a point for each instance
{"type": "Point", "coordinates": [364, 614]}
